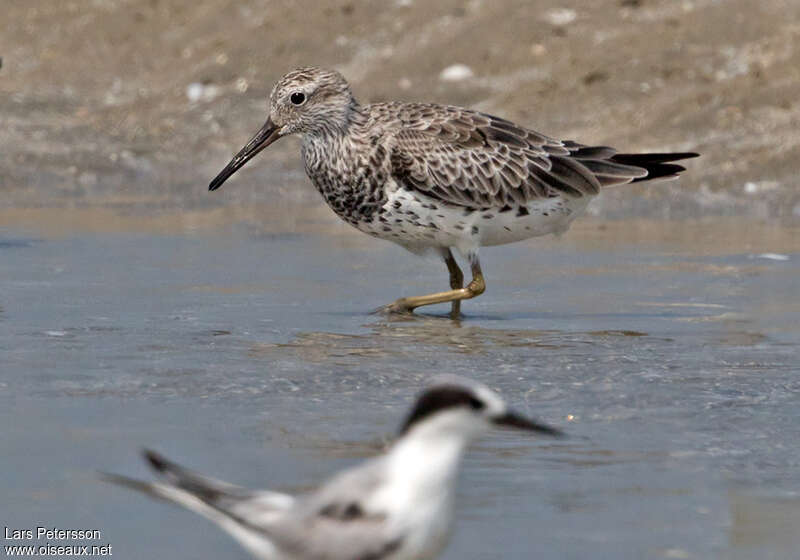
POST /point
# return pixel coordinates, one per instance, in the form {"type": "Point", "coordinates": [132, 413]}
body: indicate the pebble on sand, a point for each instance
{"type": "Point", "coordinates": [201, 92]}
{"type": "Point", "coordinates": [456, 73]}
{"type": "Point", "coordinates": [560, 16]}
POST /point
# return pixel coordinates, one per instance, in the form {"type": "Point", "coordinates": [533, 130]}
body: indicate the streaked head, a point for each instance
{"type": "Point", "coordinates": [306, 101]}
{"type": "Point", "coordinates": [310, 100]}
{"type": "Point", "coordinates": [457, 406]}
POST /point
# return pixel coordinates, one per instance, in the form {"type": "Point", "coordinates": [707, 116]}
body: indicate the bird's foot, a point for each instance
{"type": "Point", "coordinates": [399, 307]}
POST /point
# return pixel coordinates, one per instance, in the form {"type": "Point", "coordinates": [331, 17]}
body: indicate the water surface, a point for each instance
{"type": "Point", "coordinates": [669, 356]}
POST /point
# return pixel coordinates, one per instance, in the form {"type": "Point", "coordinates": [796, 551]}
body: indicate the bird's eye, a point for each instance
{"type": "Point", "coordinates": [476, 404]}
{"type": "Point", "coordinates": [298, 98]}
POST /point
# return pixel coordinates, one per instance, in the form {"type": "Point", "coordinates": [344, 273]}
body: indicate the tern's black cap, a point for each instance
{"type": "Point", "coordinates": [438, 398]}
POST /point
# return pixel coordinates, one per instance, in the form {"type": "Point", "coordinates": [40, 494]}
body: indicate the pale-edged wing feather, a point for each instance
{"type": "Point", "coordinates": [476, 160]}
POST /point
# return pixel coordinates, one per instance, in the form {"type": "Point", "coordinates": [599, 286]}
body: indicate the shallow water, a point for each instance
{"type": "Point", "coordinates": [670, 358]}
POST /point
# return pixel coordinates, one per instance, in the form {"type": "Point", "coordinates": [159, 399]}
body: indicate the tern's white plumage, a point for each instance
{"type": "Point", "coordinates": [396, 506]}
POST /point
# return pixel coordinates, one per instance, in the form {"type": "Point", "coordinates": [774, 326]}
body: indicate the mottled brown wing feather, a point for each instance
{"type": "Point", "coordinates": [477, 160]}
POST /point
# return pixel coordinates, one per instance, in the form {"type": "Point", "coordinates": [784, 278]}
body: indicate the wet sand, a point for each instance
{"type": "Point", "coordinates": [99, 100]}
{"type": "Point", "coordinates": [668, 355]}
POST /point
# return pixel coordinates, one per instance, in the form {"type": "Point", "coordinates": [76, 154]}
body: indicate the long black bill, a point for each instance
{"type": "Point", "coordinates": [513, 420]}
{"type": "Point", "coordinates": [263, 138]}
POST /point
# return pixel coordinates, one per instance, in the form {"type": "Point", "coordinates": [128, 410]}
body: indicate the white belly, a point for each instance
{"type": "Point", "coordinates": [419, 222]}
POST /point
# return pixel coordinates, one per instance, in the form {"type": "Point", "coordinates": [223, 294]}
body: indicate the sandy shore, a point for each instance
{"type": "Point", "coordinates": [134, 106]}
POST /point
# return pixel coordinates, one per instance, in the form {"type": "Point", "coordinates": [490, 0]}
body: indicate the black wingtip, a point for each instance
{"type": "Point", "coordinates": [658, 165]}
{"type": "Point", "coordinates": [157, 461]}
{"type": "Point", "coordinates": [677, 156]}
{"type": "Point", "coordinates": [651, 158]}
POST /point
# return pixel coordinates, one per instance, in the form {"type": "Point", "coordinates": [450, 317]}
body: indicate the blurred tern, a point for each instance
{"type": "Point", "coordinates": [396, 506]}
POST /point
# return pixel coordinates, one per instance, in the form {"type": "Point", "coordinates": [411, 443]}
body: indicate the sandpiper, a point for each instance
{"type": "Point", "coordinates": [397, 506]}
{"type": "Point", "coordinates": [436, 177]}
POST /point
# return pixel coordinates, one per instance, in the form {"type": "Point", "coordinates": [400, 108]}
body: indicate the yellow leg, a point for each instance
{"type": "Point", "coordinates": [456, 282]}
{"type": "Point", "coordinates": [475, 288]}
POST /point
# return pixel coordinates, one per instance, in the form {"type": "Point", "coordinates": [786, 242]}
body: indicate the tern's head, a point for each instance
{"type": "Point", "coordinates": [307, 101]}
{"type": "Point", "coordinates": [454, 406]}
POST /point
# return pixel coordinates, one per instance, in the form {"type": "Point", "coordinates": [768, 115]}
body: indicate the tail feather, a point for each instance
{"type": "Point", "coordinates": [201, 493]}
{"type": "Point", "coordinates": [250, 536]}
{"type": "Point", "coordinates": [203, 487]}
{"type": "Point", "coordinates": [243, 513]}
{"type": "Point", "coordinates": [168, 493]}
{"type": "Point", "coordinates": [609, 168]}
{"type": "Point", "coordinates": [182, 486]}
{"type": "Point", "coordinates": [657, 165]}
{"type": "Point", "coordinates": [152, 490]}
{"type": "Point", "coordinates": [614, 170]}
